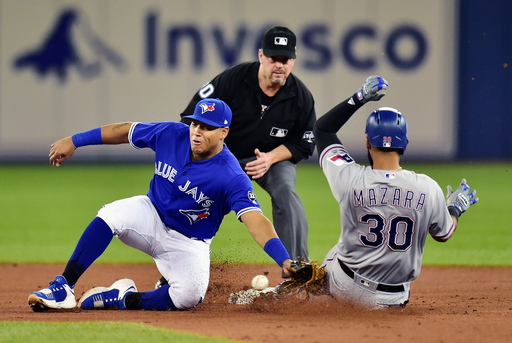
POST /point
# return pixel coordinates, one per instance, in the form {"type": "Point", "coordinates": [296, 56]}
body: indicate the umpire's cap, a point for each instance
{"type": "Point", "coordinates": [279, 41]}
{"type": "Point", "coordinates": [387, 128]}
{"type": "Point", "coordinates": [214, 112]}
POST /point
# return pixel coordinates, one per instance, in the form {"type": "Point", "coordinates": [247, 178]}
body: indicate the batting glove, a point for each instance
{"type": "Point", "coordinates": [373, 89]}
{"type": "Point", "coordinates": [461, 198]}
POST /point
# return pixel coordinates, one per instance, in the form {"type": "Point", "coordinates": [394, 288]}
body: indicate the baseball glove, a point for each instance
{"type": "Point", "coordinates": [305, 276]}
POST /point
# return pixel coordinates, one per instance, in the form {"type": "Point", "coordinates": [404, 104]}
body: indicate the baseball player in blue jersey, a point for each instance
{"type": "Point", "coordinates": [386, 211]}
{"type": "Point", "coordinates": [197, 181]}
{"type": "Point", "coordinates": [272, 128]}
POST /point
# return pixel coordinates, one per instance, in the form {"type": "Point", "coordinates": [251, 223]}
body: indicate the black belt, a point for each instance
{"type": "Point", "coordinates": [380, 287]}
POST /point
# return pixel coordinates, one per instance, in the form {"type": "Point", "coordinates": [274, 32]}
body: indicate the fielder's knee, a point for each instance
{"type": "Point", "coordinates": [184, 299]}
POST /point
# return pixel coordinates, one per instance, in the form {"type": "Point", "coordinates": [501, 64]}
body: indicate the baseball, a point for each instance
{"type": "Point", "coordinates": [259, 282]}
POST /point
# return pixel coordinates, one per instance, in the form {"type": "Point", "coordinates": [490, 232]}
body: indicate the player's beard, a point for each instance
{"type": "Point", "coordinates": [370, 159]}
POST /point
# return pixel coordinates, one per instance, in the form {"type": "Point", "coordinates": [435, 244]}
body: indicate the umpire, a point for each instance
{"type": "Point", "coordinates": [271, 129]}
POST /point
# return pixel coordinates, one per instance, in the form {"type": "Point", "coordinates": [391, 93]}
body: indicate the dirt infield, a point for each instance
{"type": "Point", "coordinates": [448, 304]}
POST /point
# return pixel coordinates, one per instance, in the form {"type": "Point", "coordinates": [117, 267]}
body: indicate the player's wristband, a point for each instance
{"type": "Point", "coordinates": [91, 137]}
{"type": "Point", "coordinates": [454, 212]}
{"type": "Point", "coordinates": [275, 249]}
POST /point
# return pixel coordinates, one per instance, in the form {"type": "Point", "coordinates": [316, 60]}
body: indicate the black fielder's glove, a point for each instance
{"type": "Point", "coordinates": [307, 276]}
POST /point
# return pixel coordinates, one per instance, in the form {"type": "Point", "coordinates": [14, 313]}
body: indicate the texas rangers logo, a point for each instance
{"type": "Point", "coordinates": [207, 107]}
{"type": "Point", "coordinates": [339, 157]}
{"type": "Point", "coordinates": [195, 215]}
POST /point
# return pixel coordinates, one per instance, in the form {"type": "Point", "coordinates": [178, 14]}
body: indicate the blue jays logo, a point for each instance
{"type": "Point", "coordinates": [207, 107]}
{"type": "Point", "coordinates": [195, 215]}
{"type": "Point", "coordinates": [66, 46]}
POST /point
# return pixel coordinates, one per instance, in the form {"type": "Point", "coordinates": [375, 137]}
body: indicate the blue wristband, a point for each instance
{"type": "Point", "coordinates": [91, 137]}
{"type": "Point", "coordinates": [275, 249]}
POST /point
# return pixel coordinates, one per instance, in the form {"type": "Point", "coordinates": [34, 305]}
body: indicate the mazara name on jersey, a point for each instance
{"type": "Point", "coordinates": [168, 172]}
{"type": "Point", "coordinates": [384, 196]}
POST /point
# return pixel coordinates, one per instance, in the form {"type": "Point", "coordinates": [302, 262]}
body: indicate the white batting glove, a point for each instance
{"type": "Point", "coordinates": [461, 198]}
{"type": "Point", "coordinates": [374, 88]}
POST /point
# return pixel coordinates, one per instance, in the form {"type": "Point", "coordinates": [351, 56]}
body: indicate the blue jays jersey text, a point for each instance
{"type": "Point", "coordinates": [192, 197]}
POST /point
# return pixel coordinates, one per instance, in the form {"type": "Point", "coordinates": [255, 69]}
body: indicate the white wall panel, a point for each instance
{"type": "Point", "coordinates": [36, 110]}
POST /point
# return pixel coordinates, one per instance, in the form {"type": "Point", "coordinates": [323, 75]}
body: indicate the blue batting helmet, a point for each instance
{"type": "Point", "coordinates": [387, 128]}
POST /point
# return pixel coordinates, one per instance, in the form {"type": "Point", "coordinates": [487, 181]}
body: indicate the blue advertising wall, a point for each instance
{"type": "Point", "coordinates": [485, 80]}
{"type": "Point", "coordinates": [448, 63]}
{"type": "Point", "coordinates": [85, 63]}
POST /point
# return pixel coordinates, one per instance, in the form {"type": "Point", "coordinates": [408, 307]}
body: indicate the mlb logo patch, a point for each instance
{"type": "Point", "coordinates": [391, 176]}
{"type": "Point", "coordinates": [281, 41]}
{"type": "Point", "coordinates": [386, 141]}
{"type": "Point", "coordinates": [278, 132]}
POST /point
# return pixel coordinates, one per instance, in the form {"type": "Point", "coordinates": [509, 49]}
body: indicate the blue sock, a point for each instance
{"type": "Point", "coordinates": [95, 239]}
{"type": "Point", "coordinates": [157, 300]}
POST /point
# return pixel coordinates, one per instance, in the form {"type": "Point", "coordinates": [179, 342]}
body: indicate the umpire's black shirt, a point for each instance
{"type": "Point", "coordinates": [288, 120]}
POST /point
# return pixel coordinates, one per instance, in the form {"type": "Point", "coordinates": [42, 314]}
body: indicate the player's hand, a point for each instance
{"type": "Point", "coordinates": [287, 267]}
{"type": "Point", "coordinates": [257, 168]}
{"type": "Point", "coordinates": [374, 88]}
{"type": "Point", "coordinates": [461, 198]}
{"type": "Point", "coordinates": [61, 150]}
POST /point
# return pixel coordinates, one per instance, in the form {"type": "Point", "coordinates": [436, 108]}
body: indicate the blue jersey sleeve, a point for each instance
{"type": "Point", "coordinates": [146, 135]}
{"type": "Point", "coordinates": [241, 196]}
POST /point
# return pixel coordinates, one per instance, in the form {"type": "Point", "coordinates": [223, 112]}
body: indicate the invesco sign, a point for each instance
{"type": "Point", "coordinates": [316, 50]}
{"type": "Point", "coordinates": [389, 45]}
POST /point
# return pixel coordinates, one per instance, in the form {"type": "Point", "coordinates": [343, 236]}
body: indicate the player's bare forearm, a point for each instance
{"type": "Point", "coordinates": [64, 148]}
{"type": "Point", "coordinates": [115, 133]}
{"type": "Point", "coordinates": [259, 226]}
{"type": "Point", "coordinates": [264, 160]}
{"type": "Point", "coordinates": [446, 238]}
{"type": "Point", "coordinates": [263, 232]}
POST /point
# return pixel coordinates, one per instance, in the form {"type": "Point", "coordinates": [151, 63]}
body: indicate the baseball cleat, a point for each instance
{"type": "Point", "coordinates": [108, 298]}
{"type": "Point", "coordinates": [161, 282]}
{"type": "Point", "coordinates": [58, 295]}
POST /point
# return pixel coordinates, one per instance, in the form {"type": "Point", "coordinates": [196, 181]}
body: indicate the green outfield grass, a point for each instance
{"type": "Point", "coordinates": [97, 332]}
{"type": "Point", "coordinates": [45, 210]}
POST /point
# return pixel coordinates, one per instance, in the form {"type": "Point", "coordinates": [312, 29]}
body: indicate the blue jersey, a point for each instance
{"type": "Point", "coordinates": [192, 197]}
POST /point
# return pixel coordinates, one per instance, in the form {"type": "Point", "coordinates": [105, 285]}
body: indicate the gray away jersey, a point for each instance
{"type": "Point", "coordinates": [385, 216]}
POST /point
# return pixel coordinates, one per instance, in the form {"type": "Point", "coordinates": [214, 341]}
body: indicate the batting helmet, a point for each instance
{"type": "Point", "coordinates": [387, 128]}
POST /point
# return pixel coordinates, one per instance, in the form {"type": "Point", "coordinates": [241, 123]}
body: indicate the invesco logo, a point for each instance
{"type": "Point", "coordinates": [362, 47]}
{"type": "Point", "coordinates": [404, 47]}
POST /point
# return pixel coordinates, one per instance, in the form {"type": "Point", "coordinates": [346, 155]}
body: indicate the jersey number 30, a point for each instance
{"type": "Point", "coordinates": [398, 230]}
